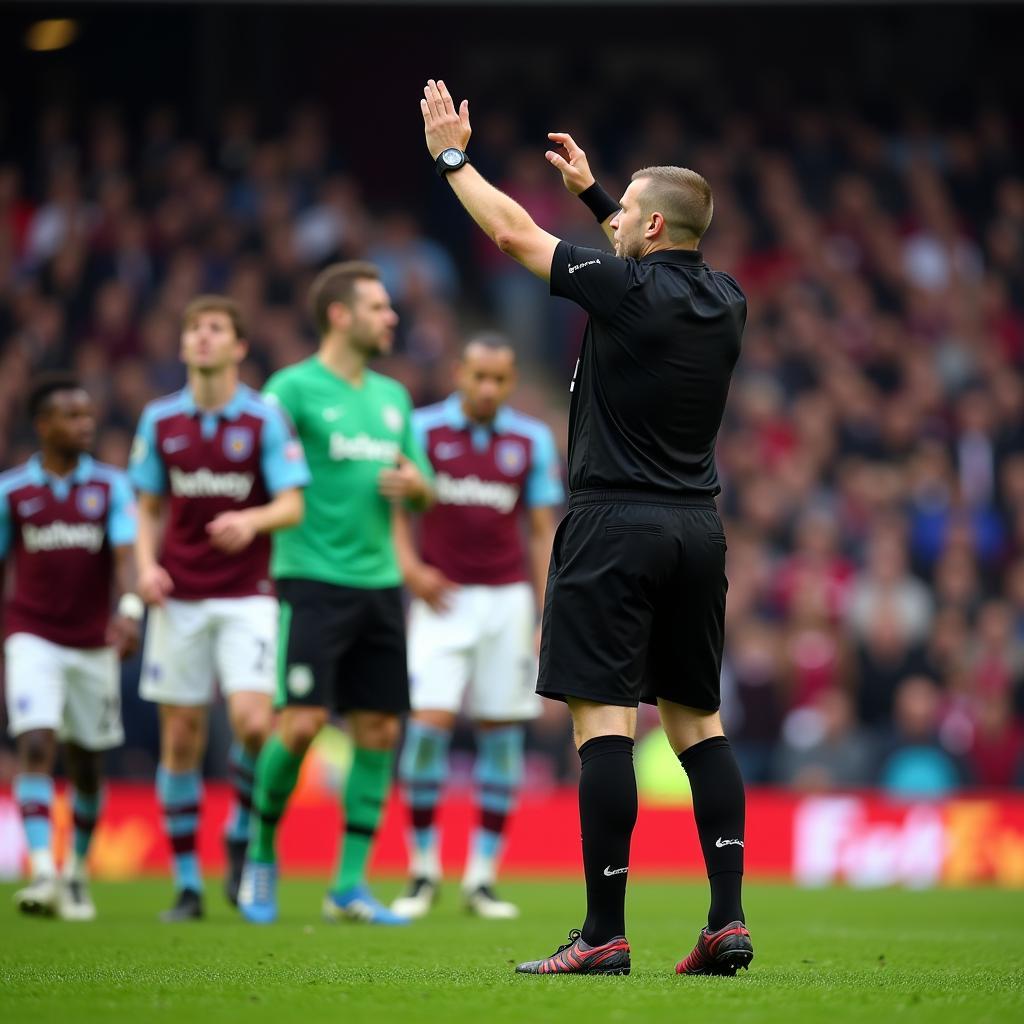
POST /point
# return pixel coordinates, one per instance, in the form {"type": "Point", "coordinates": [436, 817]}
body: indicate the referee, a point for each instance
{"type": "Point", "coordinates": [636, 588]}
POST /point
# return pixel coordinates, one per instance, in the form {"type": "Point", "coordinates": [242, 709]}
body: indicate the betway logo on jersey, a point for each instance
{"type": "Point", "coordinates": [204, 483]}
{"type": "Point", "coordinates": [61, 536]}
{"type": "Point", "coordinates": [471, 490]}
{"type": "Point", "coordinates": [363, 448]}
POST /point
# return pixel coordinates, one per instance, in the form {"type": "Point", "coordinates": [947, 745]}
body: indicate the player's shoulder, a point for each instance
{"type": "Point", "coordinates": [174, 404]}
{"type": "Point", "coordinates": [299, 371]}
{"type": "Point", "coordinates": [260, 406]}
{"type": "Point", "coordinates": [513, 421]}
{"type": "Point", "coordinates": [106, 473]}
{"type": "Point", "coordinates": [16, 477]}
{"type": "Point", "coordinates": [429, 417]}
{"type": "Point", "coordinates": [387, 388]}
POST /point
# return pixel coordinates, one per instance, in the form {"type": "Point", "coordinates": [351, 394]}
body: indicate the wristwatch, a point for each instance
{"type": "Point", "coordinates": [448, 160]}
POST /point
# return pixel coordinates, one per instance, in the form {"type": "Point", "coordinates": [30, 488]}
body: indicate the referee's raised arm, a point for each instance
{"type": "Point", "coordinates": [502, 219]}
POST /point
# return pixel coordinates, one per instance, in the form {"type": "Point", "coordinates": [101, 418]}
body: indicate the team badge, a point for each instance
{"type": "Point", "coordinates": [300, 680]}
{"type": "Point", "coordinates": [92, 502]}
{"type": "Point", "coordinates": [393, 419]}
{"type": "Point", "coordinates": [511, 457]}
{"type": "Point", "coordinates": [238, 442]}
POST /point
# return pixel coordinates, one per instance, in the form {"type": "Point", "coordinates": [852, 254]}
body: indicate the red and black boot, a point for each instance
{"type": "Point", "coordinates": [576, 957]}
{"type": "Point", "coordinates": [721, 952]}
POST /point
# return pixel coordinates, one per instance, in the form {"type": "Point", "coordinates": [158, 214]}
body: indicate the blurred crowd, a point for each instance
{"type": "Point", "coordinates": [872, 457]}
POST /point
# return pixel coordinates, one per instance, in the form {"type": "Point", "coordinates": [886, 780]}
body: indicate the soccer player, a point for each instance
{"type": "Point", "coordinates": [225, 469]}
{"type": "Point", "coordinates": [636, 591]}
{"type": "Point", "coordinates": [473, 620]}
{"type": "Point", "coordinates": [342, 625]}
{"type": "Point", "coordinates": [67, 524]}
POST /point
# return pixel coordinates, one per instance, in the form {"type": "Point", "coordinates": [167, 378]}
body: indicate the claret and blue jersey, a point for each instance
{"type": "Point", "coordinates": [58, 534]}
{"type": "Point", "coordinates": [212, 462]}
{"type": "Point", "coordinates": [484, 477]}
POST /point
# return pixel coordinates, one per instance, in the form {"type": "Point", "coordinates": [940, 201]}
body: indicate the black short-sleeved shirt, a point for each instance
{"type": "Point", "coordinates": [653, 373]}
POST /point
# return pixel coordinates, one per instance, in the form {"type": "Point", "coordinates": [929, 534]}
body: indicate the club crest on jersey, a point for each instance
{"type": "Point", "coordinates": [238, 442]}
{"type": "Point", "coordinates": [511, 457]}
{"type": "Point", "coordinates": [393, 419]}
{"type": "Point", "coordinates": [92, 502]}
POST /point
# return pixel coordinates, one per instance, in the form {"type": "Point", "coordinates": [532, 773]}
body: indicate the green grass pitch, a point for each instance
{"type": "Point", "coordinates": [833, 955]}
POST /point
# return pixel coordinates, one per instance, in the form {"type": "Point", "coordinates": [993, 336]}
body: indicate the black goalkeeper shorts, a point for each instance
{"type": "Point", "coordinates": [341, 648]}
{"type": "Point", "coordinates": [635, 607]}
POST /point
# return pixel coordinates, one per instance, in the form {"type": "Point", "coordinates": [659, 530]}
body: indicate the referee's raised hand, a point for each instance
{"type": "Point", "coordinates": [443, 126]}
{"type": "Point", "coordinates": [571, 161]}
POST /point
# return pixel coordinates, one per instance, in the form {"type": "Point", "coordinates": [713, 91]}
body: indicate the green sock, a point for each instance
{"type": "Point", "coordinates": [277, 771]}
{"type": "Point", "coordinates": [368, 783]}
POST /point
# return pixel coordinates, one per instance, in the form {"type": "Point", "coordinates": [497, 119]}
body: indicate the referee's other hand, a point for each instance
{"type": "Point", "coordinates": [571, 161]}
{"type": "Point", "coordinates": [444, 127]}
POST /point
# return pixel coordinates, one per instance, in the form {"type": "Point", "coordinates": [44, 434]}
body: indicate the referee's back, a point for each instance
{"type": "Point", "coordinates": [653, 374]}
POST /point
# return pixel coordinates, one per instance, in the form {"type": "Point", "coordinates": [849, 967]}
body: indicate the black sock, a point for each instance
{"type": "Point", "coordinates": [607, 817]}
{"type": "Point", "coordinates": [718, 808]}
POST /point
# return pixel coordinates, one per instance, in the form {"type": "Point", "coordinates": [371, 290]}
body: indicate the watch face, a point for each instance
{"type": "Point", "coordinates": [452, 157]}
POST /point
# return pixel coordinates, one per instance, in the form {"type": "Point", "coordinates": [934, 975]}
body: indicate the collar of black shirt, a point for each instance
{"type": "Point", "coordinates": [690, 257]}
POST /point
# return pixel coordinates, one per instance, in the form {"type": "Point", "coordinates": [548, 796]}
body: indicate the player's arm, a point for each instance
{"type": "Point", "coordinates": [148, 477]}
{"type": "Point", "coordinates": [235, 530]}
{"type": "Point", "coordinates": [500, 217]}
{"type": "Point", "coordinates": [411, 480]}
{"type": "Point", "coordinates": [124, 629]}
{"type": "Point", "coordinates": [424, 581]}
{"type": "Point", "coordinates": [154, 581]}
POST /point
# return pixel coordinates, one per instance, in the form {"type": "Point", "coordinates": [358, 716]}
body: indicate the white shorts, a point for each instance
{"type": "Point", "coordinates": [189, 644]}
{"type": "Point", "coordinates": [485, 640]}
{"type": "Point", "coordinates": [74, 691]}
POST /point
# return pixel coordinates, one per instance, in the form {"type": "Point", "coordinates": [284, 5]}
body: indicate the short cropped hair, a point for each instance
{"type": "Point", "coordinates": [683, 197]}
{"type": "Point", "coordinates": [494, 341]}
{"type": "Point", "coordinates": [214, 304]}
{"type": "Point", "coordinates": [45, 386]}
{"type": "Point", "coordinates": [337, 283]}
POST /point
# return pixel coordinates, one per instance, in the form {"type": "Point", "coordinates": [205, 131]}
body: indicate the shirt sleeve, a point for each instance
{"type": "Point", "coordinates": [412, 445]}
{"type": "Point", "coordinates": [592, 278]}
{"type": "Point", "coordinates": [419, 429]}
{"type": "Point", "coordinates": [282, 459]}
{"type": "Point", "coordinates": [544, 483]}
{"type": "Point", "coordinates": [278, 392]}
{"type": "Point", "coordinates": [121, 518]}
{"type": "Point", "coordinates": [146, 467]}
{"type": "Point", "coordinates": [5, 524]}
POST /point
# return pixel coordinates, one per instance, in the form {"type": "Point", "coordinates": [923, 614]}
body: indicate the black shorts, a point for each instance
{"type": "Point", "coordinates": [635, 606]}
{"type": "Point", "coordinates": [341, 648]}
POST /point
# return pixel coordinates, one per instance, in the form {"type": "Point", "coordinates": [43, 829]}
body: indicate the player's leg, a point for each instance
{"type": "Point", "coordinates": [373, 682]}
{"type": "Point", "coordinates": [439, 646]}
{"type": "Point", "coordinates": [307, 651]}
{"type": "Point", "coordinates": [92, 725]}
{"type": "Point", "coordinates": [684, 668]}
{"type": "Point", "coordinates": [375, 735]}
{"type": "Point", "coordinates": [423, 771]}
{"type": "Point", "coordinates": [35, 690]}
{"type": "Point", "coordinates": [178, 674]}
{"type": "Point", "coordinates": [245, 652]}
{"type": "Point", "coordinates": [179, 787]}
{"type": "Point", "coordinates": [503, 699]}
{"type": "Point", "coordinates": [85, 770]}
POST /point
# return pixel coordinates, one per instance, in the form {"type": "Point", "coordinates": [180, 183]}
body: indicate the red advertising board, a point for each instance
{"type": "Point", "coordinates": [858, 839]}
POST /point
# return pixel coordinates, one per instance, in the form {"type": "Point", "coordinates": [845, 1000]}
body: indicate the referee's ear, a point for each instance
{"type": "Point", "coordinates": [656, 226]}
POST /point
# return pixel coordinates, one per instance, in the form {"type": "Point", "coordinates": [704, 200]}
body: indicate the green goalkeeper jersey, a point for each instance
{"type": "Point", "coordinates": [349, 434]}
